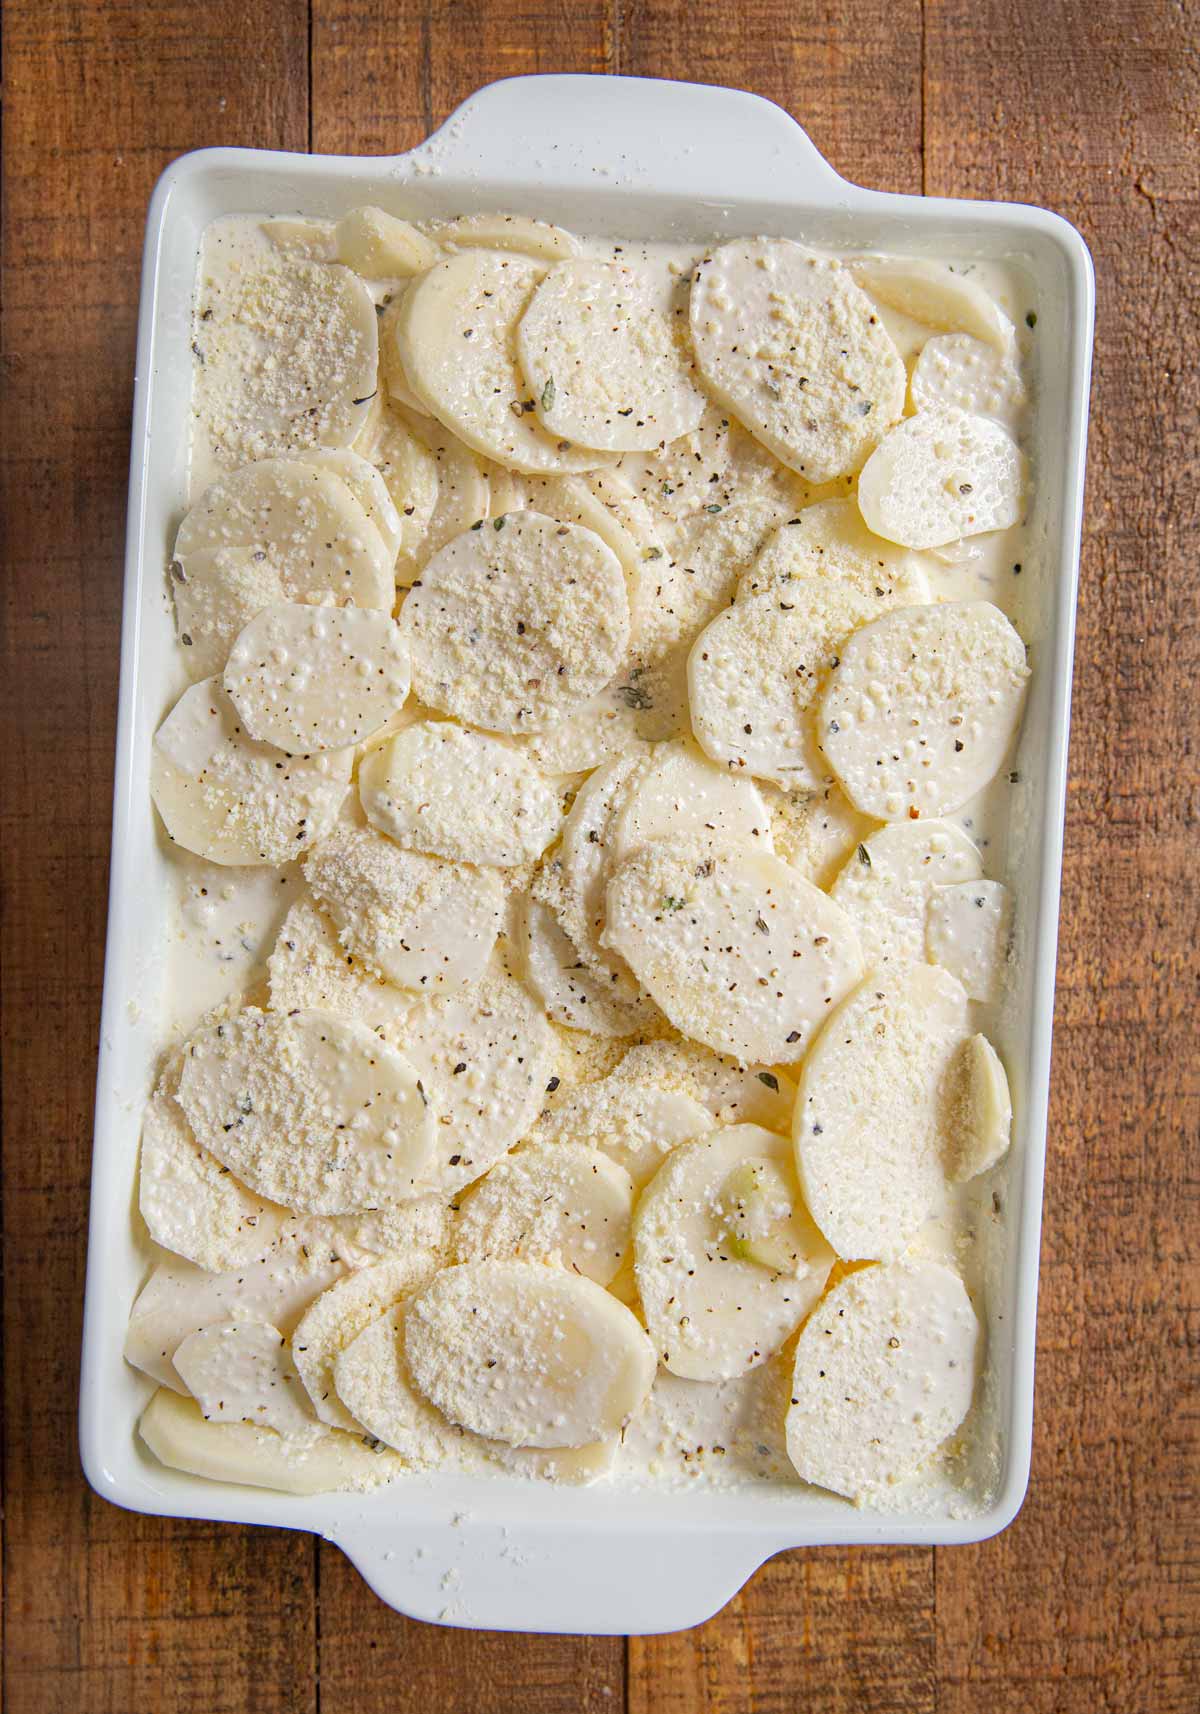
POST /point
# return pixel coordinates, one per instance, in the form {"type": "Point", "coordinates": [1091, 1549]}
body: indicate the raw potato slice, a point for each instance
{"type": "Point", "coordinates": [634, 1124]}
{"type": "Point", "coordinates": [876, 1113]}
{"type": "Point", "coordinates": [711, 1310]}
{"type": "Point", "coordinates": [414, 920]}
{"type": "Point", "coordinates": [609, 508]}
{"type": "Point", "coordinates": [830, 539]}
{"type": "Point", "coordinates": [409, 470]}
{"type": "Point", "coordinates": [286, 360]}
{"type": "Point", "coordinates": [229, 798]}
{"type": "Point", "coordinates": [463, 489]}
{"type": "Point", "coordinates": [380, 247]}
{"type": "Point", "coordinates": [570, 990]}
{"type": "Point", "coordinates": [506, 492]}
{"type": "Point", "coordinates": [317, 678]}
{"type": "Point", "coordinates": [958, 371]}
{"type": "Point", "coordinates": [311, 1110]}
{"type": "Point", "coordinates": [485, 1057]}
{"type": "Point", "coordinates": [310, 240]}
{"type": "Point", "coordinates": [275, 1286]}
{"type": "Point", "coordinates": [740, 952]}
{"type": "Point", "coordinates": [336, 1318]}
{"type": "Point", "coordinates": [815, 832]}
{"type": "Point", "coordinates": [732, 1093]}
{"type": "Point", "coordinates": [676, 793]}
{"type": "Point", "coordinates": [473, 384]}
{"type": "Point", "coordinates": [986, 1120]}
{"type": "Point", "coordinates": [755, 674]}
{"type": "Point", "coordinates": [601, 348]}
{"type": "Point", "coordinates": [179, 1437]}
{"type": "Point", "coordinates": [644, 704]}
{"type": "Point", "coordinates": [923, 707]}
{"type": "Point", "coordinates": [893, 880]}
{"type": "Point", "coordinates": [284, 529]}
{"type": "Point", "coordinates": [701, 580]}
{"type": "Point", "coordinates": [885, 1371]}
{"type": "Point", "coordinates": [790, 343]}
{"type": "Point", "coordinates": [940, 476]}
{"type": "Point", "coordinates": [192, 1205]}
{"type": "Point", "coordinates": [310, 970]}
{"type": "Point", "coordinates": [575, 885]}
{"type": "Point", "coordinates": [527, 1354]}
{"type": "Point", "coordinates": [416, 1231]}
{"type": "Point", "coordinates": [242, 1371]}
{"type": "Point", "coordinates": [512, 628]}
{"type": "Point", "coordinates": [373, 1382]}
{"type": "Point", "coordinates": [715, 466]}
{"type": "Point", "coordinates": [932, 293]}
{"type": "Point", "coordinates": [558, 1202]}
{"type": "Point", "coordinates": [967, 932]}
{"type": "Point", "coordinates": [437, 788]}
{"type": "Point", "coordinates": [517, 232]}
{"type": "Point", "coordinates": [368, 487]}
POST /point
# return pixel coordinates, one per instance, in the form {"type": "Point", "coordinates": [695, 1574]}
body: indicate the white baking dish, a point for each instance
{"type": "Point", "coordinates": [616, 156]}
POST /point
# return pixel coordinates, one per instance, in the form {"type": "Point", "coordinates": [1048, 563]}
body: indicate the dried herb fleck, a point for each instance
{"type": "Point", "coordinates": [770, 1079]}
{"type": "Point", "coordinates": [548, 392]}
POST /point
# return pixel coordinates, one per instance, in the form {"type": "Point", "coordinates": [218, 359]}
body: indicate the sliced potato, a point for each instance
{"type": "Point", "coordinates": [310, 970]}
{"type": "Point", "coordinates": [378, 246]}
{"type": "Point", "coordinates": [986, 1117]}
{"type": "Point", "coordinates": [957, 370]}
{"type": "Point", "coordinates": [411, 472]}
{"type": "Point", "coordinates": [967, 930]}
{"type": "Point", "coordinates": [728, 1262]}
{"type": "Point", "coordinates": [374, 1387]}
{"type": "Point", "coordinates": [537, 238]}
{"type": "Point", "coordinates": [933, 293]}
{"type": "Point", "coordinates": [942, 475]}
{"type": "Point", "coordinates": [559, 1202]}
{"type": "Point", "coordinates": [891, 883]}
{"type": "Point", "coordinates": [829, 539]}
{"type": "Point", "coordinates": [570, 990]}
{"type": "Point", "coordinates": [675, 792]}
{"type": "Point", "coordinates": [242, 1371]}
{"type": "Point", "coordinates": [815, 831]}
{"type": "Point", "coordinates": [336, 1318]}
{"type": "Point", "coordinates": [636, 1124]}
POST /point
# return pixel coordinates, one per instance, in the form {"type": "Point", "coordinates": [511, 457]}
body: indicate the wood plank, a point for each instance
{"type": "Point", "coordinates": [854, 1629]}
{"type": "Point", "coordinates": [1091, 1600]}
{"type": "Point", "coordinates": [104, 1613]}
{"type": "Point", "coordinates": [382, 77]}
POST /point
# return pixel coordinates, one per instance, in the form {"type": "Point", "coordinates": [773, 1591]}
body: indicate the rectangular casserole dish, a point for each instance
{"type": "Point", "coordinates": [606, 156]}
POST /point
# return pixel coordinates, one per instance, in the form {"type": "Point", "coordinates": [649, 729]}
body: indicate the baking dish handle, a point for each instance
{"type": "Point", "coordinates": [651, 134]}
{"type": "Point", "coordinates": [583, 1581]}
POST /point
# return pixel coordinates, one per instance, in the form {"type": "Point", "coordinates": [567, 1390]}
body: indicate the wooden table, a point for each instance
{"type": "Point", "coordinates": [1088, 1604]}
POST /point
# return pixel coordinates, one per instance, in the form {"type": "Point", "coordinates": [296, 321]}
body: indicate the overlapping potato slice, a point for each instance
{"type": "Point", "coordinates": [885, 1371]}
{"type": "Point", "coordinates": [601, 347]}
{"type": "Point", "coordinates": [527, 1354]}
{"type": "Point", "coordinates": [922, 707]}
{"type": "Point", "coordinates": [635, 1123]}
{"type": "Point", "coordinates": [456, 335]}
{"type": "Point", "coordinates": [935, 294]}
{"type": "Point", "coordinates": [815, 831]}
{"type": "Point", "coordinates": [728, 1262]}
{"type": "Point", "coordinates": [957, 370]}
{"type": "Point", "coordinates": [558, 1201]}
{"type": "Point", "coordinates": [877, 1113]}
{"type": "Point", "coordinates": [310, 970]}
{"type": "Point", "coordinates": [308, 1109]}
{"type": "Point", "coordinates": [512, 628]}
{"type": "Point", "coordinates": [242, 1371]}
{"type": "Point", "coordinates": [986, 1117]}
{"type": "Point", "coordinates": [412, 472]}
{"type": "Point", "coordinates": [437, 788]}
{"type": "Point", "coordinates": [893, 880]}
{"type": "Point", "coordinates": [967, 930]}
{"type": "Point", "coordinates": [230, 798]}
{"type": "Point", "coordinates": [829, 539]}
{"type": "Point", "coordinates": [571, 990]}
{"type": "Point", "coordinates": [788, 341]}
{"type": "Point", "coordinates": [756, 672]}
{"type": "Point", "coordinates": [675, 792]}
{"type": "Point", "coordinates": [733, 1094]}
{"type": "Point", "coordinates": [418, 921]}
{"type": "Point", "coordinates": [942, 475]}
{"type": "Point", "coordinates": [740, 952]}
{"type": "Point", "coordinates": [518, 232]}
{"type": "Point", "coordinates": [379, 246]}
{"type": "Point", "coordinates": [336, 1318]}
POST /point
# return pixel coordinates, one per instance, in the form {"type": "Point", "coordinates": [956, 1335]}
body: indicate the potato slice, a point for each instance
{"type": "Point", "coordinates": [312, 678]}
{"type": "Point", "coordinates": [740, 952]}
{"type": "Point", "coordinates": [728, 1262]}
{"type": "Point", "coordinates": [921, 711]}
{"type": "Point", "coordinates": [336, 1318]}
{"type": "Point", "coordinates": [636, 1124]}
{"type": "Point", "coordinates": [275, 1286]}
{"type": "Point", "coordinates": [527, 1354]}
{"type": "Point", "coordinates": [242, 1371]}
{"type": "Point", "coordinates": [307, 240]}
{"type": "Point", "coordinates": [484, 1056]}
{"type": "Point", "coordinates": [310, 970]}
{"type": "Point", "coordinates": [675, 792]}
{"type": "Point", "coordinates": [700, 580]}
{"type": "Point", "coordinates": [367, 485]}
{"type": "Point", "coordinates": [179, 1437]}
{"type": "Point", "coordinates": [310, 1110]}
{"type": "Point", "coordinates": [940, 476]}
{"type": "Point", "coordinates": [573, 993]}
{"type": "Point", "coordinates": [815, 831]}
{"type": "Point", "coordinates": [829, 539]}
{"type": "Point", "coordinates": [933, 293]}
{"type": "Point", "coordinates": [876, 1116]}
{"type": "Point", "coordinates": [756, 672]}
{"type": "Point", "coordinates": [287, 356]}
{"type": "Point", "coordinates": [536, 238]}
{"type": "Point", "coordinates": [885, 1371]}
{"type": "Point", "coordinates": [378, 246]}
{"type": "Point", "coordinates": [437, 788]}
{"type": "Point", "coordinates": [513, 628]}
{"type": "Point", "coordinates": [986, 1118]}
{"type": "Point", "coordinates": [959, 371]}
{"type": "Point", "coordinates": [416, 1231]}
{"type": "Point", "coordinates": [456, 335]}
{"type": "Point", "coordinates": [891, 882]}
{"type": "Point", "coordinates": [582, 865]}
{"type": "Point", "coordinates": [733, 1094]}
{"type": "Point", "coordinates": [229, 798]}
{"type": "Point", "coordinates": [411, 473]}
{"type": "Point", "coordinates": [601, 346]}
{"type": "Point", "coordinates": [559, 1202]}
{"type": "Point", "coordinates": [414, 920]}
{"type": "Point", "coordinates": [789, 342]}
{"type": "Point", "coordinates": [375, 1388]}
{"type": "Point", "coordinates": [967, 931]}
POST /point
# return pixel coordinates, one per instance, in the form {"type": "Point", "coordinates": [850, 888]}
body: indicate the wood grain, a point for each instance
{"type": "Point", "coordinates": [1088, 1605]}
